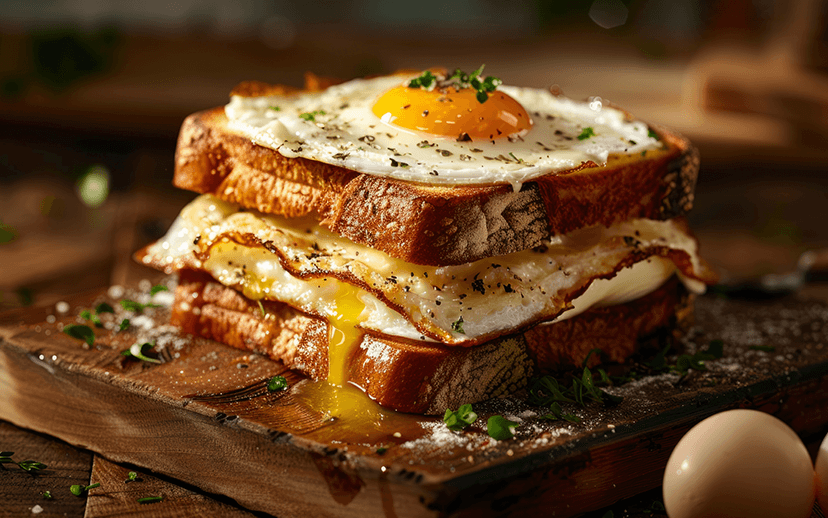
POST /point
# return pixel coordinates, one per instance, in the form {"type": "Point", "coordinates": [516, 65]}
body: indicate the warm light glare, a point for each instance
{"type": "Point", "coordinates": [93, 186]}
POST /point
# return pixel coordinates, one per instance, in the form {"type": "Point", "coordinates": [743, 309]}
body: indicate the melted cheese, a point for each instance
{"type": "Point", "coordinates": [312, 269]}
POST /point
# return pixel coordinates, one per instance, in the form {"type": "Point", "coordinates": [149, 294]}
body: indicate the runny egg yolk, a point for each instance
{"type": "Point", "coordinates": [453, 113]}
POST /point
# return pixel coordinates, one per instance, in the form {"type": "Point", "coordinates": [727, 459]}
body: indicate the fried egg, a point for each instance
{"type": "Point", "coordinates": [443, 135]}
{"type": "Point", "coordinates": [299, 263]}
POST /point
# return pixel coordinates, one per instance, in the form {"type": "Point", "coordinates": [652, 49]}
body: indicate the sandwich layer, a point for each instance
{"type": "Point", "coordinates": [434, 224]}
{"type": "Point", "coordinates": [307, 267]}
{"type": "Point", "coordinates": [416, 376]}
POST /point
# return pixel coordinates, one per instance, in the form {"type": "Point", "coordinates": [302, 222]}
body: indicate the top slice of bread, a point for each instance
{"type": "Point", "coordinates": [433, 224]}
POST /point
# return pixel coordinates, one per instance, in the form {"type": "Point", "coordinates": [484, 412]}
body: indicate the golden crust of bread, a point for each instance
{"type": "Point", "coordinates": [431, 224]}
{"type": "Point", "coordinates": [423, 377]}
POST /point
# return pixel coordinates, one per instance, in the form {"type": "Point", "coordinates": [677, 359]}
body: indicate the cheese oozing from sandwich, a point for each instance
{"type": "Point", "coordinates": [440, 135]}
{"type": "Point", "coordinates": [320, 273]}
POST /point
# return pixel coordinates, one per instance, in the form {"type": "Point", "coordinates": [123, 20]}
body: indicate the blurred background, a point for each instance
{"type": "Point", "coordinates": [92, 94]}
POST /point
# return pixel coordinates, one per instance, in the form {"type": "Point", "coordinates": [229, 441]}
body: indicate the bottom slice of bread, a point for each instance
{"type": "Point", "coordinates": [424, 377]}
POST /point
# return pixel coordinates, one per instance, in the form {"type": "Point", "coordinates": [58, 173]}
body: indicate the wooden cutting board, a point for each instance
{"type": "Point", "coordinates": [205, 417]}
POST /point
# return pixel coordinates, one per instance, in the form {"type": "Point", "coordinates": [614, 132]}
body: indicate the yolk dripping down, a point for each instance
{"type": "Point", "coordinates": [453, 113]}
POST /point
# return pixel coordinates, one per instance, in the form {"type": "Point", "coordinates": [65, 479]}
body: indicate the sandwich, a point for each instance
{"type": "Point", "coordinates": [432, 239]}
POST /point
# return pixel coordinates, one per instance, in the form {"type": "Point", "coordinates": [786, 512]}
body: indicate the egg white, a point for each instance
{"type": "Point", "coordinates": [337, 126]}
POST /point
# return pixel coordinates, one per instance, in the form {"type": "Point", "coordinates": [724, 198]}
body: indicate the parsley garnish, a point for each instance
{"type": "Point", "coordinates": [137, 351]}
{"type": "Point", "coordinates": [275, 108]}
{"type": "Point", "coordinates": [124, 325]}
{"type": "Point", "coordinates": [459, 80]}
{"type": "Point", "coordinates": [463, 417]}
{"type": "Point", "coordinates": [81, 332]}
{"type": "Point", "coordinates": [586, 133]}
{"type": "Point", "coordinates": [132, 477]}
{"type": "Point", "coordinates": [26, 465]}
{"type": "Point", "coordinates": [457, 326]}
{"type": "Point", "coordinates": [150, 499]}
{"type": "Point", "coordinates": [47, 494]}
{"type": "Point", "coordinates": [311, 116]}
{"type": "Point", "coordinates": [79, 490]}
{"type": "Point", "coordinates": [557, 413]}
{"type": "Point", "coordinates": [103, 307]}
{"type": "Point", "coordinates": [277, 384]}
{"type": "Point", "coordinates": [652, 134]}
{"type": "Point", "coordinates": [158, 287]}
{"type": "Point", "coordinates": [501, 428]}
{"type": "Point", "coordinates": [136, 307]}
{"type": "Point", "coordinates": [425, 81]}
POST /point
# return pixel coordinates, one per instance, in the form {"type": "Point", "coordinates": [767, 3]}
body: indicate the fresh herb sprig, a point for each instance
{"type": "Point", "coordinates": [150, 499]}
{"type": "Point", "coordinates": [136, 307]}
{"type": "Point", "coordinates": [277, 384]}
{"type": "Point", "coordinates": [459, 80]}
{"type": "Point", "coordinates": [462, 418]}
{"type": "Point", "coordinates": [501, 428]}
{"type": "Point", "coordinates": [311, 116]}
{"type": "Point", "coordinates": [79, 490]}
{"type": "Point", "coordinates": [137, 351]}
{"type": "Point", "coordinates": [80, 332]}
{"type": "Point", "coordinates": [586, 133]}
{"type": "Point", "coordinates": [26, 465]}
{"type": "Point", "coordinates": [685, 362]}
{"type": "Point", "coordinates": [132, 477]}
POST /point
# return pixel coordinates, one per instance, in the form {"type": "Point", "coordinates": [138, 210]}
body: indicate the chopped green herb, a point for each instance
{"type": "Point", "coordinates": [425, 81]}
{"type": "Point", "coordinates": [150, 499]}
{"type": "Point", "coordinates": [277, 383]}
{"type": "Point", "coordinates": [158, 288]}
{"type": "Point", "coordinates": [124, 325]}
{"type": "Point", "coordinates": [516, 159]}
{"type": "Point", "coordinates": [81, 332]}
{"type": "Point", "coordinates": [30, 465]}
{"type": "Point", "coordinates": [136, 307]}
{"type": "Point", "coordinates": [311, 116]}
{"type": "Point", "coordinates": [382, 449]}
{"type": "Point", "coordinates": [764, 348]}
{"type": "Point", "coordinates": [137, 351]}
{"type": "Point", "coordinates": [275, 108]}
{"type": "Point", "coordinates": [47, 494]}
{"type": "Point", "coordinates": [103, 307]}
{"type": "Point", "coordinates": [457, 326]}
{"type": "Point", "coordinates": [6, 453]}
{"type": "Point", "coordinates": [557, 414]}
{"type": "Point", "coordinates": [586, 133]}
{"type": "Point", "coordinates": [652, 134]}
{"type": "Point", "coordinates": [261, 308]}
{"type": "Point", "coordinates": [87, 315]}
{"type": "Point", "coordinates": [79, 490]}
{"type": "Point", "coordinates": [463, 417]}
{"type": "Point", "coordinates": [131, 477]}
{"type": "Point", "coordinates": [501, 428]}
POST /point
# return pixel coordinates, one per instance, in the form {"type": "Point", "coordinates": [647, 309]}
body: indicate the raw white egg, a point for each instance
{"type": "Point", "coordinates": [739, 463]}
{"type": "Point", "coordinates": [822, 475]}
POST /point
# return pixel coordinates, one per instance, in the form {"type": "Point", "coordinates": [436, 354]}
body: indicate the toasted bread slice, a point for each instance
{"type": "Point", "coordinates": [434, 224]}
{"type": "Point", "coordinates": [424, 377]}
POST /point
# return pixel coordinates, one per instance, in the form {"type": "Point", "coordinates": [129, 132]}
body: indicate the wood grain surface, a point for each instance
{"type": "Point", "coordinates": [203, 417]}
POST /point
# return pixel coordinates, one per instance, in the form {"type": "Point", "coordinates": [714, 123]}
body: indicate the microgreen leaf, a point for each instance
{"type": "Point", "coordinates": [277, 383]}
{"type": "Point", "coordinates": [150, 499]}
{"type": "Point", "coordinates": [557, 413]}
{"type": "Point", "coordinates": [652, 134]}
{"type": "Point", "coordinates": [501, 428]}
{"type": "Point", "coordinates": [261, 308]}
{"type": "Point", "coordinates": [80, 332]}
{"type": "Point", "coordinates": [425, 81]}
{"type": "Point", "coordinates": [30, 465]}
{"type": "Point", "coordinates": [158, 288]}
{"type": "Point", "coordinates": [132, 477]}
{"type": "Point", "coordinates": [586, 133]}
{"type": "Point", "coordinates": [311, 116]}
{"type": "Point", "coordinates": [463, 417]}
{"type": "Point", "coordinates": [457, 326]}
{"type": "Point", "coordinates": [124, 325]}
{"type": "Point", "coordinates": [103, 307]}
{"type": "Point", "coordinates": [47, 494]}
{"type": "Point", "coordinates": [136, 351]}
